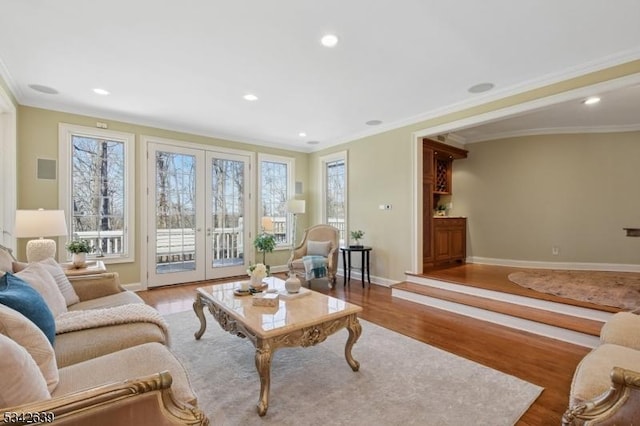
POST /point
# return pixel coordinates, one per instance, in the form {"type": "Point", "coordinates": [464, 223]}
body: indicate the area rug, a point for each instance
{"type": "Point", "coordinates": [616, 289]}
{"type": "Point", "coordinates": [401, 381]}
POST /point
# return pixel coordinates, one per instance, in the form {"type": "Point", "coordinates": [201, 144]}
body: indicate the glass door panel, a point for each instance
{"type": "Point", "coordinates": [175, 249]}
{"type": "Point", "coordinates": [227, 201]}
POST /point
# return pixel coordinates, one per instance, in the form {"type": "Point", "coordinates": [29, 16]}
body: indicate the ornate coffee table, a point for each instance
{"type": "Point", "coordinates": [298, 321]}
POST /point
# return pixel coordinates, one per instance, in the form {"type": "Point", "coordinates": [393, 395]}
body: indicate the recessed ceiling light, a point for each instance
{"type": "Point", "coordinates": [482, 87]}
{"type": "Point", "coordinates": [329, 40]}
{"type": "Point", "coordinates": [43, 89]}
{"type": "Point", "coordinates": [302, 134]}
{"type": "Point", "coordinates": [250, 97]}
{"type": "Point", "coordinates": [373, 122]}
{"type": "Point", "coordinates": [313, 142]}
{"type": "Point", "coordinates": [592, 100]}
{"type": "Point", "coordinates": [101, 91]}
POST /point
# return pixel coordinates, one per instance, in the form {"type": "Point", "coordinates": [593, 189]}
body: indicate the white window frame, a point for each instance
{"type": "Point", "coordinates": [291, 172]}
{"type": "Point", "coordinates": [324, 160]}
{"type": "Point", "coordinates": [65, 134]}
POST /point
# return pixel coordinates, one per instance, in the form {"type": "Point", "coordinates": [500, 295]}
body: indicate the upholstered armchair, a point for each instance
{"type": "Point", "coordinates": [320, 240]}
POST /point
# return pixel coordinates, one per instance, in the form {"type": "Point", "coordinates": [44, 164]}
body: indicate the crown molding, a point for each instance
{"type": "Point", "coordinates": [556, 131]}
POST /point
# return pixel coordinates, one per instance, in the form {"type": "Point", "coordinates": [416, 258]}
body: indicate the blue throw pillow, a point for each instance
{"type": "Point", "coordinates": [20, 296]}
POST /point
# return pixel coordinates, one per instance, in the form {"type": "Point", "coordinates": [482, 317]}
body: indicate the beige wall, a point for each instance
{"type": "Point", "coordinates": [38, 138]}
{"type": "Point", "coordinates": [576, 192]}
{"type": "Point", "coordinates": [379, 172]}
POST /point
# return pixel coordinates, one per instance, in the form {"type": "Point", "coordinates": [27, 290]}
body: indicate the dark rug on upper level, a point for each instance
{"type": "Point", "coordinates": [616, 289]}
{"type": "Point", "coordinates": [401, 381]}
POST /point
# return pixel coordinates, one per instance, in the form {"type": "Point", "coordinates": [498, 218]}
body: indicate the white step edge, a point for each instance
{"type": "Point", "coordinates": [570, 336]}
{"type": "Point", "coordinates": [561, 308]}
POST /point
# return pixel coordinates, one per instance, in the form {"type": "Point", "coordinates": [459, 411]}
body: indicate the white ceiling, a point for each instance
{"type": "Point", "coordinates": [185, 65]}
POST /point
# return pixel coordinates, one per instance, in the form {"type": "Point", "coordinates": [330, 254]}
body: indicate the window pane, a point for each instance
{"type": "Point", "coordinates": [274, 184]}
{"type": "Point", "coordinates": [335, 201]}
{"type": "Point", "coordinates": [175, 207]}
{"type": "Point", "coordinates": [228, 212]}
{"type": "Point", "coordinates": [98, 194]}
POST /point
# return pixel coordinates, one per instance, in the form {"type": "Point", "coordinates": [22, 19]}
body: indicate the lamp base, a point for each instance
{"type": "Point", "coordinates": [40, 249]}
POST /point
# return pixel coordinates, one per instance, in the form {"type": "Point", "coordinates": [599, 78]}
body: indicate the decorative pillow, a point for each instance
{"type": "Point", "coordinates": [25, 333]}
{"type": "Point", "coordinates": [22, 382]}
{"type": "Point", "coordinates": [39, 278]}
{"type": "Point", "coordinates": [5, 261]}
{"type": "Point", "coordinates": [18, 295]}
{"type": "Point", "coordinates": [56, 271]}
{"type": "Point", "coordinates": [318, 248]}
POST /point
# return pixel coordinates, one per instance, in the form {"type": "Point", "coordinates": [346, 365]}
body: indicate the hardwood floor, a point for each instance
{"type": "Point", "coordinates": [545, 362]}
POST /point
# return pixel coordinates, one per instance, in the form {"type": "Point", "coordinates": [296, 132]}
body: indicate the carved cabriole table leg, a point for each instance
{"type": "Point", "coordinates": [263, 365]}
{"type": "Point", "coordinates": [355, 330]}
{"type": "Point", "coordinates": [198, 309]}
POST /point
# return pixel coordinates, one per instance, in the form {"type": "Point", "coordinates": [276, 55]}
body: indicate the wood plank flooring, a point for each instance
{"type": "Point", "coordinates": [545, 362]}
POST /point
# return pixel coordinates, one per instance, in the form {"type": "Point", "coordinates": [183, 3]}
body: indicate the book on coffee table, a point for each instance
{"type": "Point", "coordinates": [286, 295]}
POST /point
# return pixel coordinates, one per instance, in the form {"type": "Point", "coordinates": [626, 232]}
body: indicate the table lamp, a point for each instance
{"type": "Point", "coordinates": [39, 224]}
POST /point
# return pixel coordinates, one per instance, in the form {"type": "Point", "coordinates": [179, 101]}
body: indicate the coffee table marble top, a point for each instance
{"type": "Point", "coordinates": [292, 313]}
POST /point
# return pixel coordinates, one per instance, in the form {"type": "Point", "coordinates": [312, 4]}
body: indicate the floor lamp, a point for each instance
{"type": "Point", "coordinates": [295, 207]}
{"type": "Point", "coordinates": [39, 224]}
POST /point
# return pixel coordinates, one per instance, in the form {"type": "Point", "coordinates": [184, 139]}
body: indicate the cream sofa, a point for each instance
{"type": "Point", "coordinates": [112, 374]}
{"type": "Point", "coordinates": [606, 384]}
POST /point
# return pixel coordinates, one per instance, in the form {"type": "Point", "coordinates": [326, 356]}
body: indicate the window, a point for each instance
{"type": "Point", "coordinates": [334, 188]}
{"type": "Point", "coordinates": [96, 189]}
{"type": "Point", "coordinates": [276, 187]}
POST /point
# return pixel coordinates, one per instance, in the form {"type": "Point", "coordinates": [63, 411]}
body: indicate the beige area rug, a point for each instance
{"type": "Point", "coordinates": [401, 381]}
{"type": "Point", "coordinates": [616, 289]}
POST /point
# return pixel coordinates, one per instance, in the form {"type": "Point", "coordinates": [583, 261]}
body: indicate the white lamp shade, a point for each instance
{"type": "Point", "coordinates": [296, 206]}
{"type": "Point", "coordinates": [40, 223]}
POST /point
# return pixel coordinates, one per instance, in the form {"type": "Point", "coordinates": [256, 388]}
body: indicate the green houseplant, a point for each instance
{"type": "Point", "coordinates": [265, 243]}
{"type": "Point", "coordinates": [357, 235]}
{"type": "Point", "coordinates": [79, 250]}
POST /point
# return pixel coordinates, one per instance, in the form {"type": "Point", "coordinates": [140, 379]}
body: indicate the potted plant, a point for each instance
{"type": "Point", "coordinates": [441, 210]}
{"type": "Point", "coordinates": [357, 236]}
{"type": "Point", "coordinates": [265, 243]}
{"type": "Point", "coordinates": [79, 250]}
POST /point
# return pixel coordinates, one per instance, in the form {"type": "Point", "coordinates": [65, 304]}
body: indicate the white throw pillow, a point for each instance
{"type": "Point", "coordinates": [318, 248]}
{"type": "Point", "coordinates": [25, 333]}
{"type": "Point", "coordinates": [22, 381]}
{"type": "Point", "coordinates": [56, 271]}
{"type": "Point", "coordinates": [40, 279]}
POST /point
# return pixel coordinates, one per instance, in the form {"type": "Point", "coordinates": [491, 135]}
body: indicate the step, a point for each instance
{"type": "Point", "coordinates": [574, 324]}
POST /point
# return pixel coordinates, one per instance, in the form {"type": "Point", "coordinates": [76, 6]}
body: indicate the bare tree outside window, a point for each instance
{"type": "Point", "coordinates": [98, 193]}
{"type": "Point", "coordinates": [274, 185]}
{"type": "Point", "coordinates": [227, 210]}
{"type": "Point", "coordinates": [335, 196]}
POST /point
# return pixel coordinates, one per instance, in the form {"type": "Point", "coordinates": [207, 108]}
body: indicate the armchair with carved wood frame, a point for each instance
{"type": "Point", "coordinates": [317, 233]}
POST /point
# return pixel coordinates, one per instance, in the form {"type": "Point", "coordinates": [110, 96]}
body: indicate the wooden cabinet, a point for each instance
{"type": "Point", "coordinates": [450, 239]}
{"type": "Point", "coordinates": [446, 243]}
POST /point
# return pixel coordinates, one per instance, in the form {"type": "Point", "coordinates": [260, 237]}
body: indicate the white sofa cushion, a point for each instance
{"type": "Point", "coordinates": [25, 333]}
{"type": "Point", "coordinates": [22, 381]}
{"type": "Point", "coordinates": [56, 271]}
{"type": "Point", "coordinates": [40, 279]}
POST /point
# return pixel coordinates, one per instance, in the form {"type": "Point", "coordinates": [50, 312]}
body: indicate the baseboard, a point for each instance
{"type": "Point", "coordinates": [574, 266]}
{"type": "Point", "coordinates": [357, 276]}
{"type": "Point", "coordinates": [134, 286]}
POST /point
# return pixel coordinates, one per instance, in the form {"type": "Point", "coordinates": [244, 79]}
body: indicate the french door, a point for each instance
{"type": "Point", "coordinates": [197, 211]}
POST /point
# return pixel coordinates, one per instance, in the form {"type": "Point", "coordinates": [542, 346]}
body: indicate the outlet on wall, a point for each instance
{"type": "Point", "coordinates": [555, 250]}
